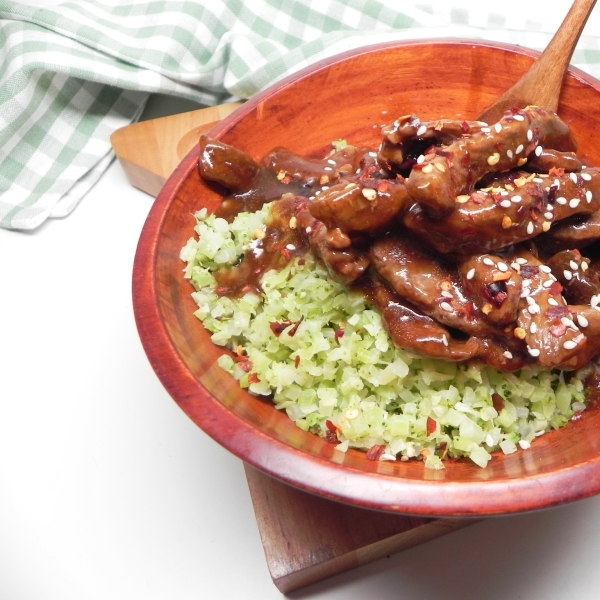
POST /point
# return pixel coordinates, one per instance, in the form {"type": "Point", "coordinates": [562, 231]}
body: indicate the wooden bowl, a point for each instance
{"type": "Point", "coordinates": [350, 96]}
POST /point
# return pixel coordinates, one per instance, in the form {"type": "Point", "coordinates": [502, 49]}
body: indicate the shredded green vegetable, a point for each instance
{"type": "Point", "coordinates": [340, 371]}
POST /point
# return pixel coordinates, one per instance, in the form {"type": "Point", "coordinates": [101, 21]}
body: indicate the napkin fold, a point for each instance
{"type": "Point", "coordinates": [73, 73]}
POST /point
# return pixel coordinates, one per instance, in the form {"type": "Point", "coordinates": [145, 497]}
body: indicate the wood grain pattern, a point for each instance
{"type": "Point", "coordinates": [542, 84]}
{"type": "Point", "coordinates": [307, 538]}
{"type": "Point", "coordinates": [347, 96]}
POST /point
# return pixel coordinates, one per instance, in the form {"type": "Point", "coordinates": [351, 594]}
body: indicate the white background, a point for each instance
{"type": "Point", "coordinates": [108, 491]}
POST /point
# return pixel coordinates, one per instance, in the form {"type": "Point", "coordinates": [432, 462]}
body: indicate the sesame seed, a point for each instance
{"type": "Point", "coordinates": [549, 207]}
{"type": "Point", "coordinates": [497, 128]}
{"type": "Point", "coordinates": [522, 261]}
{"type": "Point", "coordinates": [573, 177]}
{"type": "Point", "coordinates": [589, 196]}
{"type": "Point", "coordinates": [595, 300]}
{"type": "Point", "coordinates": [324, 187]}
{"type": "Point", "coordinates": [561, 200]}
{"type": "Point", "coordinates": [519, 149]}
{"type": "Point", "coordinates": [422, 130]}
{"type": "Point", "coordinates": [532, 327]}
{"type": "Point", "coordinates": [447, 294]}
{"type": "Point", "coordinates": [567, 275]}
{"type": "Point", "coordinates": [331, 162]}
{"type": "Point", "coordinates": [369, 193]}
{"type": "Point", "coordinates": [518, 117]}
{"type": "Point", "coordinates": [538, 150]}
{"type": "Point", "coordinates": [525, 445]}
{"type": "Point", "coordinates": [508, 355]}
{"type": "Point", "coordinates": [552, 302]}
{"type": "Point", "coordinates": [447, 307]}
{"type": "Point", "coordinates": [308, 230]}
{"type": "Point", "coordinates": [548, 283]}
{"type": "Point", "coordinates": [584, 266]}
{"type": "Point", "coordinates": [509, 153]}
{"type": "Point", "coordinates": [548, 215]}
{"type": "Point", "coordinates": [545, 269]}
{"type": "Point", "coordinates": [488, 261]}
{"type": "Point", "coordinates": [291, 247]}
{"type": "Point", "coordinates": [530, 228]}
{"type": "Point", "coordinates": [516, 199]}
{"type": "Point", "coordinates": [574, 203]}
{"type": "Point", "coordinates": [583, 322]}
{"type": "Point", "coordinates": [471, 273]}
{"type": "Point", "coordinates": [570, 345]}
{"type": "Point", "coordinates": [502, 267]}
{"type": "Point", "coordinates": [428, 168]}
{"type": "Point", "coordinates": [574, 266]}
{"type": "Point", "coordinates": [529, 135]}
{"type": "Point", "coordinates": [485, 130]}
{"type": "Point", "coordinates": [327, 169]}
{"type": "Point", "coordinates": [534, 309]}
{"type": "Point", "coordinates": [444, 340]}
{"type": "Point", "coordinates": [421, 159]}
{"type": "Point", "coordinates": [586, 176]}
{"type": "Point", "coordinates": [494, 159]}
{"type": "Point", "coordinates": [530, 300]}
{"type": "Point", "coordinates": [525, 292]}
{"type": "Point", "coordinates": [533, 351]}
{"type": "Point", "coordinates": [505, 204]}
{"type": "Point", "coordinates": [526, 282]}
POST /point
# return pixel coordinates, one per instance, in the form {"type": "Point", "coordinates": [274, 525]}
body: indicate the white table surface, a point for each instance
{"type": "Point", "coordinates": [108, 491]}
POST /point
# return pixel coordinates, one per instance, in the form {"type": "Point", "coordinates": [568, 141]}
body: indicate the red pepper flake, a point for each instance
{"type": "Point", "coordinates": [244, 364]}
{"type": "Point", "coordinates": [575, 251]}
{"type": "Point", "coordinates": [286, 253]}
{"type": "Point", "coordinates": [465, 126]}
{"type": "Point", "coordinates": [301, 262]}
{"type": "Point", "coordinates": [470, 311]}
{"type": "Point", "coordinates": [331, 426]}
{"type": "Point", "coordinates": [278, 328]}
{"type": "Point", "coordinates": [292, 331]}
{"type": "Point", "coordinates": [222, 290]}
{"type": "Point", "coordinates": [556, 288]}
{"type": "Point", "coordinates": [375, 452]}
{"type": "Point", "coordinates": [557, 312]}
{"type": "Point", "coordinates": [253, 378]}
{"type": "Point", "coordinates": [431, 426]}
{"type": "Point", "coordinates": [528, 271]}
{"type": "Point", "coordinates": [478, 197]}
{"type": "Point", "coordinates": [338, 333]}
{"type": "Point", "coordinates": [297, 361]}
{"type": "Point", "coordinates": [331, 437]}
{"type": "Point", "coordinates": [557, 329]}
{"type": "Point", "coordinates": [497, 402]}
{"type": "Point", "coordinates": [382, 188]}
{"type": "Point", "coordinates": [556, 172]}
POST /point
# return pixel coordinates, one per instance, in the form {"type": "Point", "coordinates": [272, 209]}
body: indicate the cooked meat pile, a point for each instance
{"type": "Point", "coordinates": [466, 237]}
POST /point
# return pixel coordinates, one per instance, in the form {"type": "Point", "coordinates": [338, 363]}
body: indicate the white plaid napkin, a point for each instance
{"type": "Point", "coordinates": [73, 73]}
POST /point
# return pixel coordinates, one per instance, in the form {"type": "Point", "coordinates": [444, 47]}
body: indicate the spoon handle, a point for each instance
{"type": "Point", "coordinates": [542, 83]}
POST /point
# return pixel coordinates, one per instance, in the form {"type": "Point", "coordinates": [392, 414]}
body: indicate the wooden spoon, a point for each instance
{"type": "Point", "coordinates": [541, 84]}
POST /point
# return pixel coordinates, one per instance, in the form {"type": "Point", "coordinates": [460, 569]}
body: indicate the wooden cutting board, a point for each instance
{"type": "Point", "coordinates": [306, 538]}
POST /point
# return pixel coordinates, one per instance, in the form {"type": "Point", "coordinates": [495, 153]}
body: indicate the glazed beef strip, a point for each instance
{"type": "Point", "coordinates": [579, 282]}
{"type": "Point", "coordinates": [576, 232]}
{"type": "Point", "coordinates": [453, 170]}
{"type": "Point", "coordinates": [517, 208]}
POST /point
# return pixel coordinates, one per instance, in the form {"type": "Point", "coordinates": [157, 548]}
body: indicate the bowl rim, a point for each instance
{"type": "Point", "coordinates": [309, 472]}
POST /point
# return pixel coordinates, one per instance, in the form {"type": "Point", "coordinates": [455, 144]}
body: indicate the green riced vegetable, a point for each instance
{"type": "Point", "coordinates": [334, 369]}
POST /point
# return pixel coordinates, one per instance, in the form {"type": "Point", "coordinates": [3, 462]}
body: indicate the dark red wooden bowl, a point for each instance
{"type": "Point", "coordinates": [350, 96]}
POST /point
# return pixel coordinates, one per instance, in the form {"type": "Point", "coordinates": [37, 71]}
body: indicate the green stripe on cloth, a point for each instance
{"type": "Point", "coordinates": [73, 73]}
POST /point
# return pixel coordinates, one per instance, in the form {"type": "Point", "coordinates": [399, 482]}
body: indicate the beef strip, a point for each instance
{"type": "Point", "coordinates": [514, 209]}
{"type": "Point", "coordinates": [453, 170]}
{"type": "Point", "coordinates": [572, 270]}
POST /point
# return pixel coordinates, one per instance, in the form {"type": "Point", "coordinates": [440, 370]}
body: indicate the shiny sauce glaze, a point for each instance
{"type": "Point", "coordinates": [474, 241]}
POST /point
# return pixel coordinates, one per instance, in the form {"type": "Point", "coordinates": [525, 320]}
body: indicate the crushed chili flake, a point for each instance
{"type": "Point", "coordinates": [431, 426]}
{"type": "Point", "coordinates": [331, 437]}
{"type": "Point", "coordinates": [465, 126]}
{"type": "Point", "coordinates": [286, 253]}
{"type": "Point", "coordinates": [297, 361]}
{"type": "Point", "coordinates": [528, 271]}
{"type": "Point", "coordinates": [278, 328]}
{"type": "Point", "coordinates": [557, 329]}
{"type": "Point", "coordinates": [338, 333]}
{"type": "Point", "coordinates": [375, 452]}
{"type": "Point", "coordinates": [253, 378]}
{"type": "Point", "coordinates": [292, 331]}
{"type": "Point", "coordinates": [497, 402]}
{"type": "Point", "coordinates": [244, 364]}
{"type": "Point", "coordinates": [557, 312]}
{"type": "Point", "coordinates": [556, 288]}
{"type": "Point", "coordinates": [222, 290]}
{"type": "Point", "coordinates": [556, 172]}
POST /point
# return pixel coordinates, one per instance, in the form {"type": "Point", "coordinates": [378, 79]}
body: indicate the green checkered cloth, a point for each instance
{"type": "Point", "coordinates": [73, 73]}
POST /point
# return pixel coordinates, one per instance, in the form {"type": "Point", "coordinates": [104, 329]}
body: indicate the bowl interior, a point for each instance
{"type": "Point", "coordinates": [351, 96]}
